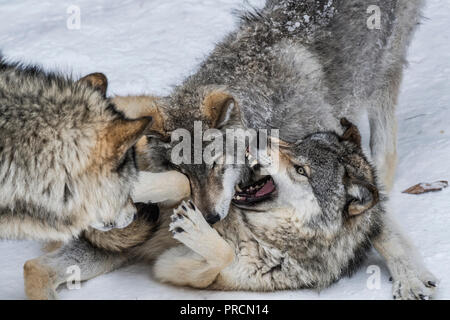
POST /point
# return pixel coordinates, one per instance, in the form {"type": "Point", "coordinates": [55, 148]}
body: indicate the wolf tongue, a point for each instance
{"type": "Point", "coordinates": [268, 188]}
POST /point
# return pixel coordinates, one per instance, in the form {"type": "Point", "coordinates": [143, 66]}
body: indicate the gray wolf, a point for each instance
{"type": "Point", "coordinates": [67, 156]}
{"type": "Point", "coordinates": [314, 229]}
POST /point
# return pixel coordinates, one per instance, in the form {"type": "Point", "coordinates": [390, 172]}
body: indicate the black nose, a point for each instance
{"type": "Point", "coordinates": [212, 219]}
{"type": "Point", "coordinates": [149, 211]}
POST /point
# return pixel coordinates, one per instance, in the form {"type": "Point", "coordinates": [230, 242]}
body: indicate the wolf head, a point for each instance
{"type": "Point", "coordinates": [67, 156]}
{"type": "Point", "coordinates": [320, 205]}
{"type": "Point", "coordinates": [324, 179]}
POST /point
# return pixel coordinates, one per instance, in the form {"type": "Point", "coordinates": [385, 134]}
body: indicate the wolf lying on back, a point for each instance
{"type": "Point", "coordinates": [314, 230]}
{"type": "Point", "coordinates": [66, 156]}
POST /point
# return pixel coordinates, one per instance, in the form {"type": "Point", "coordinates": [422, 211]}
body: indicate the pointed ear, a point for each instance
{"type": "Point", "coordinates": [220, 109]}
{"type": "Point", "coordinates": [97, 81]}
{"type": "Point", "coordinates": [362, 197]}
{"type": "Point", "coordinates": [351, 132]}
{"type": "Point", "coordinates": [122, 134]}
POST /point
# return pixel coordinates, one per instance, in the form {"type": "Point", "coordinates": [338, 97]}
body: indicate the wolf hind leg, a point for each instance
{"type": "Point", "coordinates": [411, 279]}
{"type": "Point", "coordinates": [45, 274]}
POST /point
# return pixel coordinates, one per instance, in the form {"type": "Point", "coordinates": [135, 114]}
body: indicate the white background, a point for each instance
{"type": "Point", "coordinates": [149, 46]}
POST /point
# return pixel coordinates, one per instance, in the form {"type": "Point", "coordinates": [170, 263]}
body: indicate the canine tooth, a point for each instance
{"type": "Point", "coordinates": [237, 188]}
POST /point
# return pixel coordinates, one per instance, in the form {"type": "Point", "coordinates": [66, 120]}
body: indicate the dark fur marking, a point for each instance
{"type": "Point", "coordinates": [149, 211]}
{"type": "Point", "coordinates": [123, 162]}
{"type": "Point", "coordinates": [119, 114]}
{"type": "Point", "coordinates": [67, 193]}
{"type": "Point", "coordinates": [23, 210]}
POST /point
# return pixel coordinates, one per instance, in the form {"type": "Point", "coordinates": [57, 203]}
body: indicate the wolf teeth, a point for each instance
{"type": "Point", "coordinates": [252, 160]}
{"type": "Point", "coordinates": [237, 188]}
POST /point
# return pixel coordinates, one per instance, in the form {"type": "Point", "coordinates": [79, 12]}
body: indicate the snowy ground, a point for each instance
{"type": "Point", "coordinates": [149, 46]}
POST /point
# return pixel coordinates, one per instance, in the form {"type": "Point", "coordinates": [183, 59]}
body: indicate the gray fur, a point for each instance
{"type": "Point", "coordinates": [284, 77]}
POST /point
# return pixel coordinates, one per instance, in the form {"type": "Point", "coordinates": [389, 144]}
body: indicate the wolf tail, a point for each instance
{"type": "Point", "coordinates": [119, 240]}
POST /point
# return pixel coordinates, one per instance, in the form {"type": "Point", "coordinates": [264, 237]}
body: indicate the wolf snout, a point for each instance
{"type": "Point", "coordinates": [212, 218]}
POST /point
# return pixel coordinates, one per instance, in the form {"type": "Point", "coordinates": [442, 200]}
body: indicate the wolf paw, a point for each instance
{"type": "Point", "coordinates": [415, 287]}
{"type": "Point", "coordinates": [188, 224]}
{"type": "Point", "coordinates": [190, 228]}
{"type": "Point", "coordinates": [38, 281]}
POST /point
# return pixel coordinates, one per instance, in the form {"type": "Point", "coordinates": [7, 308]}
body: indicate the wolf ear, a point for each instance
{"type": "Point", "coordinates": [362, 197]}
{"type": "Point", "coordinates": [97, 81]}
{"type": "Point", "coordinates": [351, 132]}
{"type": "Point", "coordinates": [122, 134]}
{"type": "Point", "coordinates": [220, 109]}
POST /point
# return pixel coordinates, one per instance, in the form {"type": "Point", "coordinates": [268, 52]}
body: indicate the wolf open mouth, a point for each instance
{"type": "Point", "coordinates": [257, 192]}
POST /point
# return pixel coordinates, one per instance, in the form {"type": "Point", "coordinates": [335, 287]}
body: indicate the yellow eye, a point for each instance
{"type": "Point", "coordinates": [300, 170]}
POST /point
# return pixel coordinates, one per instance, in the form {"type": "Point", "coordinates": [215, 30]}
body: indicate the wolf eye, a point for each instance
{"type": "Point", "coordinates": [300, 170]}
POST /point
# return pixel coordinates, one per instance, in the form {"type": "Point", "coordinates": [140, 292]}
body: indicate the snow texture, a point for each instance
{"type": "Point", "coordinates": [149, 46]}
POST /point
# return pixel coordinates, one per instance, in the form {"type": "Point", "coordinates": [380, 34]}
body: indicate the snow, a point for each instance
{"type": "Point", "coordinates": [149, 46]}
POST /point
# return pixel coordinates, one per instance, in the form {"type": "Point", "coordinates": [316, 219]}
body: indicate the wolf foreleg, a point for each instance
{"type": "Point", "coordinates": [411, 279]}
